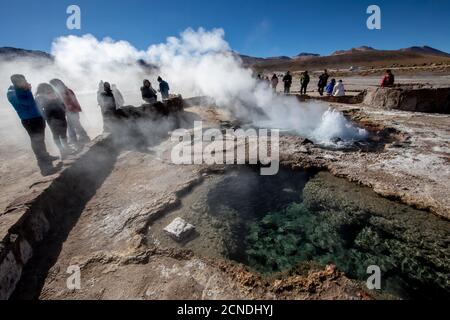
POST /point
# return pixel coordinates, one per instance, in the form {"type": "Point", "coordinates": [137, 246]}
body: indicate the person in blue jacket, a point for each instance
{"type": "Point", "coordinates": [21, 98]}
{"type": "Point", "coordinates": [163, 88]}
{"type": "Point", "coordinates": [330, 87]}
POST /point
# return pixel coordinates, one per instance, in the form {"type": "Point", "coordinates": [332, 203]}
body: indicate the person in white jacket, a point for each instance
{"type": "Point", "coordinates": [339, 90]}
{"type": "Point", "coordinates": [120, 102]}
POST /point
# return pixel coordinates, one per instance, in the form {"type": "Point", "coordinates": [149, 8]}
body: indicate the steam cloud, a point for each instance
{"type": "Point", "coordinates": [198, 63]}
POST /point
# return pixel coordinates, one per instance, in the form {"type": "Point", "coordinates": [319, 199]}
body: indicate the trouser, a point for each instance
{"type": "Point", "coordinates": [58, 127]}
{"type": "Point", "coordinates": [151, 100]}
{"type": "Point", "coordinates": [165, 95]}
{"type": "Point", "coordinates": [303, 88]}
{"type": "Point", "coordinates": [36, 130]}
{"type": "Point", "coordinates": [75, 129]}
{"type": "Point", "coordinates": [321, 89]}
{"type": "Point", "coordinates": [287, 89]}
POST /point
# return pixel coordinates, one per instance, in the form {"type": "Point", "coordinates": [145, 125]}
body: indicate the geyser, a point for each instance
{"type": "Point", "coordinates": [197, 63]}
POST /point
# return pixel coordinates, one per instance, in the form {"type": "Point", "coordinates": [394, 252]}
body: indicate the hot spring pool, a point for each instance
{"type": "Point", "coordinates": [276, 223]}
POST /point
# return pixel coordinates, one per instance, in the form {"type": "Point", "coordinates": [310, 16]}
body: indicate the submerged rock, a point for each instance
{"type": "Point", "coordinates": [179, 229]}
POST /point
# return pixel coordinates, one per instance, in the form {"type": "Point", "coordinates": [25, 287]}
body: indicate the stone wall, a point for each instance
{"type": "Point", "coordinates": [409, 98]}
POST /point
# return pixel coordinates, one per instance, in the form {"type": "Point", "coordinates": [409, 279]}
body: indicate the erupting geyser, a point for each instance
{"type": "Point", "coordinates": [198, 63]}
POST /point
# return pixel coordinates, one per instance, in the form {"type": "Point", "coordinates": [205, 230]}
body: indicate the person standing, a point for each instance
{"type": "Point", "coordinates": [120, 101]}
{"type": "Point", "coordinates": [148, 93]}
{"type": "Point", "coordinates": [163, 88]}
{"type": "Point", "coordinates": [339, 90]}
{"type": "Point", "coordinates": [54, 112]}
{"type": "Point", "coordinates": [108, 106]}
{"type": "Point", "coordinates": [77, 134]}
{"type": "Point", "coordinates": [323, 80]}
{"type": "Point", "coordinates": [330, 87]}
{"type": "Point", "coordinates": [287, 79]}
{"type": "Point", "coordinates": [274, 81]}
{"type": "Point", "coordinates": [388, 79]}
{"type": "Point", "coordinates": [22, 100]}
{"type": "Point", "coordinates": [304, 81]}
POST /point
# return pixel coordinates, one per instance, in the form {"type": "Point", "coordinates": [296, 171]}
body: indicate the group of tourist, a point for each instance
{"type": "Point", "coordinates": [57, 106]}
{"type": "Point", "coordinates": [332, 88]}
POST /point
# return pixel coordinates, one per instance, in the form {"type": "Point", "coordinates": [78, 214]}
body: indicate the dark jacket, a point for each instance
{"type": "Point", "coordinates": [107, 102]}
{"type": "Point", "coordinates": [287, 80]}
{"type": "Point", "coordinates": [323, 80]}
{"type": "Point", "coordinates": [148, 93]}
{"type": "Point", "coordinates": [24, 103]}
{"type": "Point", "coordinates": [164, 88]}
{"type": "Point", "coordinates": [304, 79]}
{"type": "Point", "coordinates": [52, 106]}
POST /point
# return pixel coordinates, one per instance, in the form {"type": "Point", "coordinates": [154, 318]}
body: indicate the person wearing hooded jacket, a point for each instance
{"type": "Point", "coordinates": [163, 88]}
{"type": "Point", "coordinates": [120, 101]}
{"type": "Point", "coordinates": [22, 100]}
{"type": "Point", "coordinates": [54, 112]}
{"type": "Point", "coordinates": [73, 109]}
{"type": "Point", "coordinates": [339, 90]}
{"type": "Point", "coordinates": [330, 87]}
{"type": "Point", "coordinates": [274, 82]}
{"type": "Point", "coordinates": [388, 79]}
{"type": "Point", "coordinates": [148, 93]}
{"type": "Point", "coordinates": [107, 104]}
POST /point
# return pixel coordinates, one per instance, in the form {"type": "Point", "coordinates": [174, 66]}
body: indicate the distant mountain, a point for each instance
{"type": "Point", "coordinates": [8, 53]}
{"type": "Point", "coordinates": [354, 50]}
{"type": "Point", "coordinates": [363, 56]}
{"type": "Point", "coordinates": [426, 50]}
{"type": "Point", "coordinates": [279, 58]}
{"type": "Point", "coordinates": [306, 55]}
{"type": "Point", "coordinates": [248, 60]}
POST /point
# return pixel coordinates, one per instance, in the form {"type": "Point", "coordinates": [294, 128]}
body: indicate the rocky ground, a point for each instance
{"type": "Point", "coordinates": [412, 167]}
{"type": "Point", "coordinates": [409, 163]}
{"type": "Point", "coordinates": [108, 244]}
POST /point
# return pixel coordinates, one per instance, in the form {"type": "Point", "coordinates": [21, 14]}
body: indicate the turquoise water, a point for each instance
{"type": "Point", "coordinates": [278, 223]}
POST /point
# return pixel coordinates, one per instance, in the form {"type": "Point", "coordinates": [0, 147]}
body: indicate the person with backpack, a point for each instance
{"type": "Point", "coordinates": [77, 134]}
{"type": "Point", "coordinates": [22, 100]}
{"type": "Point", "coordinates": [54, 111]}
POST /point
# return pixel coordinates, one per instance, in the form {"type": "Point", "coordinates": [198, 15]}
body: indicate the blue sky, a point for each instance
{"type": "Point", "coordinates": [254, 27]}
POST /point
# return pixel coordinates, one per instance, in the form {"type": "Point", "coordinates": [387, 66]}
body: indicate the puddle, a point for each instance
{"type": "Point", "coordinates": [273, 224]}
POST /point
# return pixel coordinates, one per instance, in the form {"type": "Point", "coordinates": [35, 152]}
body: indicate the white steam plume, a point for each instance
{"type": "Point", "coordinates": [197, 63]}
